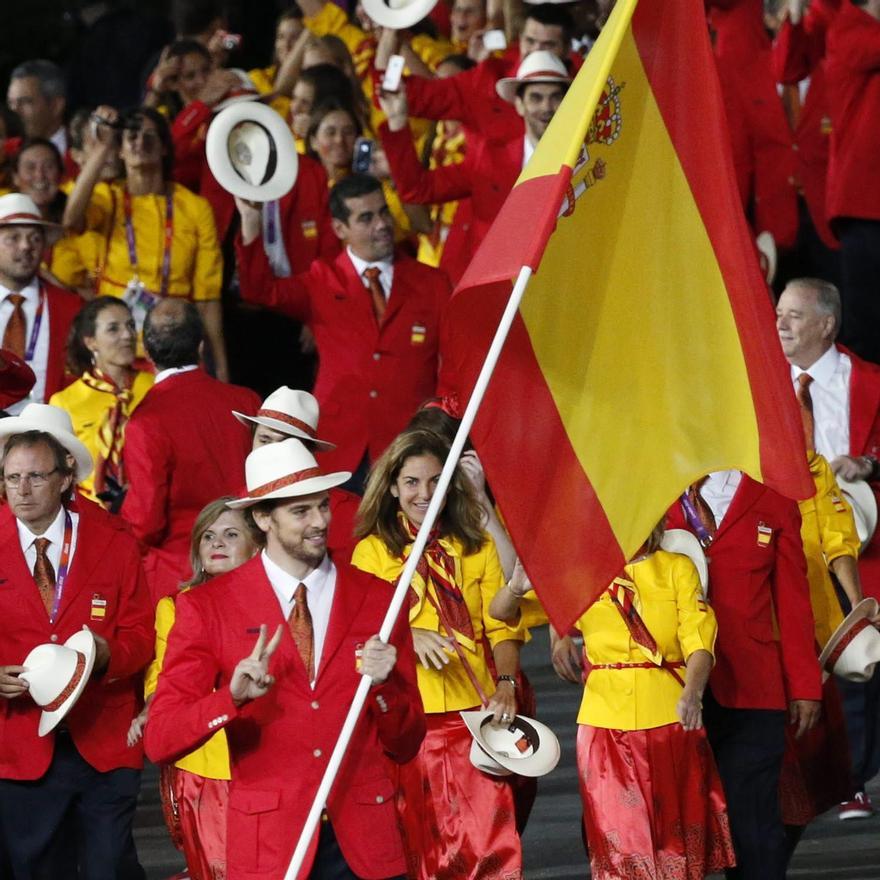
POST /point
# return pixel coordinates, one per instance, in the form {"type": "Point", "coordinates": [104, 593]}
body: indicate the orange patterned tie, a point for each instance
{"type": "Point", "coordinates": [300, 625]}
{"type": "Point", "coordinates": [44, 574]}
{"type": "Point", "coordinates": [13, 335]}
{"type": "Point", "coordinates": [371, 273]}
{"type": "Point", "coordinates": [805, 399]}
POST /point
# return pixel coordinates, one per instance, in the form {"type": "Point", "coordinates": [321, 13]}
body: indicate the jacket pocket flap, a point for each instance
{"type": "Point", "coordinates": [378, 792]}
{"type": "Point", "coordinates": [252, 801]}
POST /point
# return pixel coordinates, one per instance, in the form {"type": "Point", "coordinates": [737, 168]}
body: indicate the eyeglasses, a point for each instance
{"type": "Point", "coordinates": [35, 478]}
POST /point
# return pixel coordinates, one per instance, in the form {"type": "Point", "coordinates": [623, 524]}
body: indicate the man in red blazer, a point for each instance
{"type": "Point", "coordinates": [69, 795]}
{"type": "Point", "coordinates": [853, 74]}
{"type": "Point", "coordinates": [35, 316]}
{"type": "Point", "coordinates": [757, 575]}
{"type": "Point", "coordinates": [183, 449]}
{"type": "Point", "coordinates": [845, 395]}
{"type": "Point", "coordinates": [282, 704]}
{"type": "Point", "coordinates": [489, 170]}
{"type": "Point", "coordinates": [379, 347]}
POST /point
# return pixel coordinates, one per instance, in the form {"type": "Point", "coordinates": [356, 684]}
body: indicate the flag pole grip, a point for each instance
{"type": "Point", "coordinates": [360, 697]}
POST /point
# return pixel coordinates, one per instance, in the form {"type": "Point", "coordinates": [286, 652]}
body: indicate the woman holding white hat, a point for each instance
{"type": "Point", "coordinates": [455, 830]}
{"type": "Point", "coordinates": [652, 797]}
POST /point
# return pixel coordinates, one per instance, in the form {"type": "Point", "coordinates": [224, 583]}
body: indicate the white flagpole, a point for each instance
{"type": "Point", "coordinates": [406, 575]}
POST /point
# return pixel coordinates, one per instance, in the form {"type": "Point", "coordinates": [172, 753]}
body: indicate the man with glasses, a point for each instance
{"type": "Point", "coordinates": [67, 798]}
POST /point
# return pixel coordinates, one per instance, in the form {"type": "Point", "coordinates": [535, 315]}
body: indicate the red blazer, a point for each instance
{"type": "Point", "coordinates": [183, 448]}
{"type": "Point", "coordinates": [749, 584]}
{"type": "Point", "coordinates": [853, 69]}
{"type": "Point", "coordinates": [864, 439]}
{"type": "Point", "coordinates": [63, 307]}
{"type": "Point", "coordinates": [371, 379]}
{"type": "Point", "coordinates": [106, 564]}
{"type": "Point", "coordinates": [486, 175]}
{"type": "Point", "coordinates": [279, 745]}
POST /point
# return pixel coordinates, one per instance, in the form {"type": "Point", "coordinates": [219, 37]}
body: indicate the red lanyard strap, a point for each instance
{"type": "Point", "coordinates": [169, 237]}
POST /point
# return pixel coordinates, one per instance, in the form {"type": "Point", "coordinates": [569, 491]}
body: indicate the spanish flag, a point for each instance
{"type": "Point", "coordinates": [644, 353]}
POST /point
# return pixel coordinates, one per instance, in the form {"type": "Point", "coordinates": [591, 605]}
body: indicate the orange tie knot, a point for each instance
{"type": "Point", "coordinates": [805, 380]}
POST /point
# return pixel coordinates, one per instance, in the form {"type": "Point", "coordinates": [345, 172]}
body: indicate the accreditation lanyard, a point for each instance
{"type": "Point", "coordinates": [35, 330]}
{"type": "Point", "coordinates": [694, 521]}
{"type": "Point", "coordinates": [64, 564]}
{"type": "Point", "coordinates": [169, 236]}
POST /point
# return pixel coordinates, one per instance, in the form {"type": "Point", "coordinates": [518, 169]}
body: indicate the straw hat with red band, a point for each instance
{"type": "Point", "coordinates": [864, 508]}
{"type": "Point", "coordinates": [57, 675]}
{"type": "Point", "coordinates": [536, 67]}
{"type": "Point", "coordinates": [291, 412]}
{"type": "Point", "coordinates": [853, 650]}
{"type": "Point", "coordinates": [525, 746]}
{"type": "Point", "coordinates": [284, 470]}
{"type": "Point", "coordinates": [17, 209]}
{"type": "Point", "coordinates": [397, 14]}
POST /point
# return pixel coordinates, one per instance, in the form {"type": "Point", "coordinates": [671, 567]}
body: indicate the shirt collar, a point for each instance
{"type": "Point", "coordinates": [722, 481]}
{"type": "Point", "coordinates": [384, 266]}
{"type": "Point", "coordinates": [30, 292]}
{"type": "Point", "coordinates": [173, 371]}
{"type": "Point", "coordinates": [528, 150]}
{"type": "Point", "coordinates": [55, 532]}
{"type": "Point", "coordinates": [316, 581]}
{"type": "Point", "coordinates": [822, 370]}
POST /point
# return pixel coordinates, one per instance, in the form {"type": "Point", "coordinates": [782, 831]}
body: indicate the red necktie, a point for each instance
{"type": "Point", "coordinates": [371, 273]}
{"type": "Point", "coordinates": [13, 336]}
{"type": "Point", "coordinates": [300, 625]}
{"type": "Point", "coordinates": [704, 512]}
{"type": "Point", "coordinates": [805, 399]}
{"type": "Point", "coordinates": [44, 574]}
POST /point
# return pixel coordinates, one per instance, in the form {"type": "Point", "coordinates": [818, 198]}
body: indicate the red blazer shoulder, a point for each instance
{"type": "Point", "coordinates": [63, 308]}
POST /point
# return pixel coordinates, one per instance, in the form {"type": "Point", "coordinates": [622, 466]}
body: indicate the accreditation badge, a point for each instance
{"type": "Point", "coordinates": [765, 533]}
{"type": "Point", "coordinates": [309, 229]}
{"type": "Point", "coordinates": [839, 503]}
{"type": "Point", "coordinates": [418, 334]}
{"type": "Point", "coordinates": [99, 607]}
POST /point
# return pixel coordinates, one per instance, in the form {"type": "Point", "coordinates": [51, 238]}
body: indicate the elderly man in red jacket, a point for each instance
{"type": "Point", "coordinates": [282, 701]}
{"type": "Point", "coordinates": [67, 799]}
{"type": "Point", "coordinates": [184, 448]}
{"type": "Point", "coordinates": [375, 315]}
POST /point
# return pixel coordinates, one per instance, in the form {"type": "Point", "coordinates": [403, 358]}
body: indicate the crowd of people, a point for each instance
{"type": "Point", "coordinates": [226, 419]}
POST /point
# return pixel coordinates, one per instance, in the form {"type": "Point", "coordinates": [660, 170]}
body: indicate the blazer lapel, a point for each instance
{"type": "Point", "coordinates": [88, 553]}
{"type": "Point", "coordinates": [347, 602]}
{"type": "Point", "coordinates": [14, 571]}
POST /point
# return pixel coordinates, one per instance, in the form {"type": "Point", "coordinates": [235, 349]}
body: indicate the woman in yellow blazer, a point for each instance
{"type": "Point", "coordinates": [653, 802]}
{"type": "Point", "coordinates": [101, 351]}
{"type": "Point", "coordinates": [466, 824]}
{"type": "Point", "coordinates": [195, 789]}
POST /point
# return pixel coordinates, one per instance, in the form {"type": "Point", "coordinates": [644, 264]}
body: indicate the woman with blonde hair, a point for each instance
{"type": "Point", "coordinates": [464, 827]}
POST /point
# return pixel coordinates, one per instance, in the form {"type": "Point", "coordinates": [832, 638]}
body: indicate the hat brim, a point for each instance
{"type": "Point", "coordinates": [685, 543]}
{"type": "Point", "coordinates": [84, 642]}
{"type": "Point", "coordinates": [861, 498]}
{"type": "Point", "coordinates": [236, 99]}
{"type": "Point", "coordinates": [284, 428]}
{"type": "Point", "coordinates": [84, 463]}
{"type": "Point", "coordinates": [295, 490]}
{"type": "Point", "coordinates": [866, 608]}
{"type": "Point", "coordinates": [219, 161]}
{"type": "Point", "coordinates": [397, 19]}
{"type": "Point", "coordinates": [506, 86]}
{"type": "Point", "coordinates": [31, 221]}
{"type": "Point", "coordinates": [543, 760]}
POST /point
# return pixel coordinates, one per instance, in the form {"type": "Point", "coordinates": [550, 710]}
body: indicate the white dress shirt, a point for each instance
{"type": "Point", "coordinates": [40, 360]}
{"type": "Point", "coordinates": [60, 140]}
{"type": "Point", "coordinates": [718, 492]}
{"type": "Point", "coordinates": [55, 535]}
{"type": "Point", "coordinates": [385, 267]}
{"type": "Point", "coordinates": [173, 371]}
{"type": "Point", "coordinates": [320, 587]}
{"type": "Point", "coordinates": [528, 151]}
{"type": "Point", "coordinates": [830, 393]}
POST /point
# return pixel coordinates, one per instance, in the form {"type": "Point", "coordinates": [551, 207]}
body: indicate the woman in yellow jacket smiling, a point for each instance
{"type": "Point", "coordinates": [457, 821]}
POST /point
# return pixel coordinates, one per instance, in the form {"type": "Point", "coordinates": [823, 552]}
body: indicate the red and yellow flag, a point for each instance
{"type": "Point", "coordinates": [644, 354]}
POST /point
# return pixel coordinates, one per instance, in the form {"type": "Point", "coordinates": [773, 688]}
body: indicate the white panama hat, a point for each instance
{"type": "Point", "coordinates": [291, 412]}
{"type": "Point", "coordinates": [251, 152]}
{"type": "Point", "coordinates": [684, 542]}
{"type": "Point", "coordinates": [525, 746]}
{"type": "Point", "coordinates": [853, 650]}
{"type": "Point", "coordinates": [864, 507]}
{"type": "Point", "coordinates": [57, 675]}
{"type": "Point", "coordinates": [55, 421]}
{"type": "Point", "coordinates": [397, 14]}
{"type": "Point", "coordinates": [245, 91]}
{"type": "Point", "coordinates": [537, 67]}
{"type": "Point", "coordinates": [284, 470]}
{"type": "Point", "coordinates": [17, 209]}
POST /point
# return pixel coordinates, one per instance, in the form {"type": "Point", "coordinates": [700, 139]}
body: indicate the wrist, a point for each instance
{"type": "Point", "coordinates": [506, 679]}
{"type": "Point", "coordinates": [871, 463]}
{"type": "Point", "coordinates": [517, 594]}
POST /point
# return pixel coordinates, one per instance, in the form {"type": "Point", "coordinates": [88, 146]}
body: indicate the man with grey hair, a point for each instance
{"type": "Point", "coordinates": [38, 94]}
{"type": "Point", "coordinates": [844, 393]}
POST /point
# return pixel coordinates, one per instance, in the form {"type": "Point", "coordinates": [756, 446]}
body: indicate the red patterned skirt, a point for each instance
{"type": "Point", "coordinates": [654, 808]}
{"type": "Point", "coordinates": [457, 822]}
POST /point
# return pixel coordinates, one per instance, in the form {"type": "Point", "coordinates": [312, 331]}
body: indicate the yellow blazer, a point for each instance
{"type": "Point", "coordinates": [828, 531]}
{"type": "Point", "coordinates": [87, 409]}
{"type": "Point", "coordinates": [210, 760]}
{"type": "Point", "coordinates": [480, 577]}
{"type": "Point", "coordinates": [680, 621]}
{"type": "Point", "coordinates": [263, 79]}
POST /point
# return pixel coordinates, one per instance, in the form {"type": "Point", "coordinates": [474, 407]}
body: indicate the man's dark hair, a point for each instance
{"type": "Point", "coordinates": [521, 88]}
{"type": "Point", "coordinates": [33, 438]}
{"type": "Point", "coordinates": [352, 187]}
{"type": "Point", "coordinates": [172, 336]}
{"type": "Point", "coordinates": [179, 48]}
{"type": "Point", "coordinates": [134, 117]}
{"type": "Point", "coordinates": [49, 74]}
{"type": "Point", "coordinates": [461, 61]}
{"type": "Point", "coordinates": [549, 14]}
{"type": "Point", "coordinates": [195, 16]}
{"type": "Point", "coordinates": [40, 142]}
